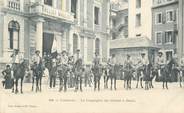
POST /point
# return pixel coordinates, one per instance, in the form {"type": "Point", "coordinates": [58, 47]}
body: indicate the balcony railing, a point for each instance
{"type": "Point", "coordinates": [45, 10]}
{"type": "Point", "coordinates": [163, 2]}
{"type": "Point", "coordinates": [12, 4]}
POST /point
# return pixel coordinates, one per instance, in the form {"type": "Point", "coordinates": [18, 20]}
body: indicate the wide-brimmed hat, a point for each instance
{"type": "Point", "coordinates": [78, 50]}
{"type": "Point", "coordinates": [17, 50]}
{"type": "Point", "coordinates": [64, 51]}
{"type": "Point", "coordinates": [160, 52]}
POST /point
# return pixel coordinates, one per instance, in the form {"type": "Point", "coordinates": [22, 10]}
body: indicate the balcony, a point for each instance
{"type": "Point", "coordinates": [12, 5]}
{"type": "Point", "coordinates": [46, 11]}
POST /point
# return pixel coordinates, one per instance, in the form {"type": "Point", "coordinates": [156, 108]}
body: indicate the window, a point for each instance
{"type": "Point", "coordinates": [170, 16]}
{"type": "Point", "coordinates": [138, 3]}
{"type": "Point", "coordinates": [74, 7]}
{"type": "Point", "coordinates": [97, 46]}
{"type": "Point", "coordinates": [168, 55]}
{"type": "Point", "coordinates": [169, 37]}
{"type": "Point", "coordinates": [158, 18]}
{"type": "Point", "coordinates": [96, 10]}
{"type": "Point", "coordinates": [48, 2]}
{"type": "Point", "coordinates": [13, 29]}
{"type": "Point", "coordinates": [158, 37]}
{"type": "Point", "coordinates": [138, 20]}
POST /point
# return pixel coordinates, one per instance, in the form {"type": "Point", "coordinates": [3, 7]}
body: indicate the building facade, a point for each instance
{"type": "Point", "coordinates": [165, 26]}
{"type": "Point", "coordinates": [140, 18]}
{"type": "Point", "coordinates": [30, 25]}
{"type": "Point", "coordinates": [180, 41]}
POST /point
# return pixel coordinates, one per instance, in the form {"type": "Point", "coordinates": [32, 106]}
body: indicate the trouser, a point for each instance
{"type": "Point", "coordinates": [78, 83]}
{"type": "Point", "coordinates": [52, 81]}
{"type": "Point", "coordinates": [97, 82]}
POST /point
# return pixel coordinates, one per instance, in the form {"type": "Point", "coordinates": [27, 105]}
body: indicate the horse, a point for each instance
{"type": "Point", "coordinates": [19, 73]}
{"type": "Point", "coordinates": [139, 76]}
{"type": "Point", "coordinates": [154, 73]}
{"type": "Point", "coordinates": [167, 71]}
{"type": "Point", "coordinates": [79, 74]}
{"type": "Point", "coordinates": [38, 70]}
{"type": "Point", "coordinates": [147, 76]}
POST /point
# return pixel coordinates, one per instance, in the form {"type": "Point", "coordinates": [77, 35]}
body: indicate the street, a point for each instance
{"type": "Point", "coordinates": [138, 100]}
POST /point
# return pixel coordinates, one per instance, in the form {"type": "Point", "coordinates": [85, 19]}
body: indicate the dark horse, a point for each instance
{"type": "Point", "coordinates": [37, 73]}
{"type": "Point", "coordinates": [19, 73]}
{"type": "Point", "coordinates": [167, 72]}
{"type": "Point", "coordinates": [148, 76]}
{"type": "Point", "coordinates": [128, 74]}
{"type": "Point", "coordinates": [106, 76]}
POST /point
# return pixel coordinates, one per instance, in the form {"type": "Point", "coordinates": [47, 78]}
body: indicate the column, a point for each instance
{"type": "Point", "coordinates": [39, 35]}
{"type": "Point", "coordinates": [85, 13]}
{"type": "Point", "coordinates": [79, 42]}
{"type": "Point", "coordinates": [21, 5]}
{"type": "Point", "coordinates": [108, 46]}
{"type": "Point", "coordinates": [54, 3]}
{"type": "Point", "coordinates": [85, 49]}
{"type": "Point", "coordinates": [70, 43]}
{"type": "Point", "coordinates": [63, 5]}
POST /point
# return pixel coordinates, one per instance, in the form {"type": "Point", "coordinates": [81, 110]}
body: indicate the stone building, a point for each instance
{"type": "Point", "coordinates": [165, 26]}
{"type": "Point", "coordinates": [30, 25]}
{"type": "Point", "coordinates": [180, 41]}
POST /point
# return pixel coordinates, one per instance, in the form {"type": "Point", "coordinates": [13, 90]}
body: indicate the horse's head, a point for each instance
{"type": "Point", "coordinates": [25, 64]}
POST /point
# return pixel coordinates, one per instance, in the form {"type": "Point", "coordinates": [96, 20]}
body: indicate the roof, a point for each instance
{"type": "Point", "coordinates": [131, 43]}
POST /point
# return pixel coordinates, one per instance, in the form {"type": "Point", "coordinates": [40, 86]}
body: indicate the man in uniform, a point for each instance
{"type": "Point", "coordinates": [96, 71]}
{"type": "Point", "coordinates": [182, 70]}
{"type": "Point", "coordinates": [78, 71]}
{"type": "Point", "coordinates": [113, 63]}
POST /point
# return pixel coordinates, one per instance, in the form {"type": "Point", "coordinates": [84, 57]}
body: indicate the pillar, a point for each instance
{"type": "Point", "coordinates": [70, 43]}
{"type": "Point", "coordinates": [85, 49]}
{"type": "Point", "coordinates": [63, 5]}
{"type": "Point", "coordinates": [85, 13]}
{"type": "Point", "coordinates": [39, 35]}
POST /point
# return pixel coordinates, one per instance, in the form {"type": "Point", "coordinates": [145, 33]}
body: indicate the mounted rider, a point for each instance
{"type": "Point", "coordinates": [142, 63]}
{"type": "Point", "coordinates": [62, 70]}
{"type": "Point", "coordinates": [160, 63]}
{"type": "Point", "coordinates": [16, 59]}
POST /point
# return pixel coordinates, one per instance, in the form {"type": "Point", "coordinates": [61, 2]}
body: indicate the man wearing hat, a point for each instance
{"type": "Point", "coordinates": [77, 55]}
{"type": "Point", "coordinates": [17, 58]}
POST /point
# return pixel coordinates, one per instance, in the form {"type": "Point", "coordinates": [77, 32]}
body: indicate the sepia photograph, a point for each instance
{"type": "Point", "coordinates": [91, 56]}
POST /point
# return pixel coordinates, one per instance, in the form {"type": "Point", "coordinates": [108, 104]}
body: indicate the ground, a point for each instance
{"type": "Point", "coordinates": [138, 100]}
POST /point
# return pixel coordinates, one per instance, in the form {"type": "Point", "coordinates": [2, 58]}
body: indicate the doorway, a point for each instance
{"type": "Point", "coordinates": [47, 42]}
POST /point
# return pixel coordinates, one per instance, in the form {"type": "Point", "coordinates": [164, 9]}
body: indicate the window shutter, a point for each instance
{"type": "Point", "coordinates": [164, 18]}
{"type": "Point", "coordinates": [163, 37]}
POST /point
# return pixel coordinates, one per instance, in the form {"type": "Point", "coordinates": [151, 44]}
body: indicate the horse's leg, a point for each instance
{"type": "Point", "coordinates": [21, 84]}
{"type": "Point", "coordinates": [40, 83]}
{"type": "Point", "coordinates": [163, 85]}
{"type": "Point", "coordinates": [166, 84]}
{"type": "Point", "coordinates": [111, 81]}
{"type": "Point", "coordinates": [32, 83]}
{"type": "Point", "coordinates": [115, 83]}
{"type": "Point", "coordinates": [141, 82]}
{"type": "Point", "coordinates": [13, 84]}
{"type": "Point", "coordinates": [37, 84]}
{"type": "Point", "coordinates": [16, 83]}
{"type": "Point", "coordinates": [137, 81]}
{"type": "Point", "coordinates": [130, 82]}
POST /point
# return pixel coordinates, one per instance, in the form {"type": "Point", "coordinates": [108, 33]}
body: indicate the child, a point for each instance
{"type": "Point", "coordinates": [7, 83]}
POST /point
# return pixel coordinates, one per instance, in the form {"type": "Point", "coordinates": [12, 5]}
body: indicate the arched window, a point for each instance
{"type": "Point", "coordinates": [13, 31]}
{"type": "Point", "coordinates": [97, 46]}
{"type": "Point", "coordinates": [75, 42]}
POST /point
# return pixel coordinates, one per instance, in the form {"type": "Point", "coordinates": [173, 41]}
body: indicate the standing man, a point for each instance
{"type": "Point", "coordinates": [128, 69]}
{"type": "Point", "coordinates": [96, 71]}
{"type": "Point", "coordinates": [113, 64]}
{"type": "Point", "coordinates": [78, 70]}
{"type": "Point", "coordinates": [181, 70]}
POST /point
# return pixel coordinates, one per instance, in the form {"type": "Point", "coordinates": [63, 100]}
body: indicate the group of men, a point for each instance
{"type": "Point", "coordinates": [62, 63]}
